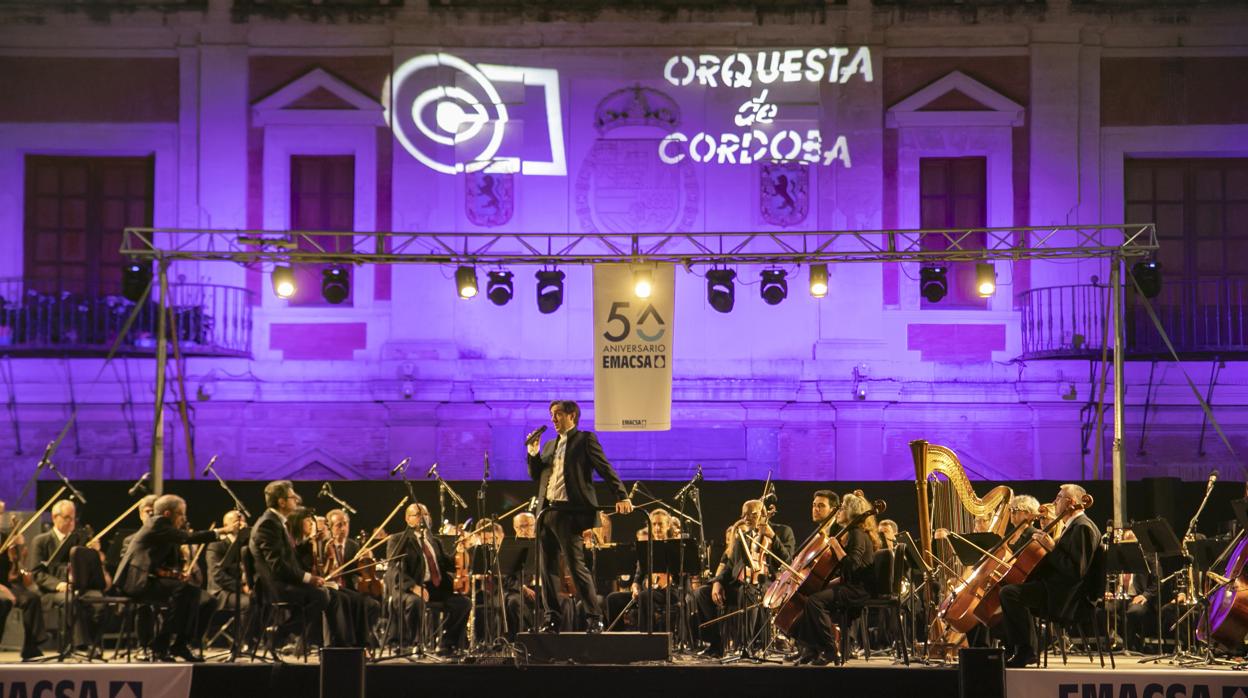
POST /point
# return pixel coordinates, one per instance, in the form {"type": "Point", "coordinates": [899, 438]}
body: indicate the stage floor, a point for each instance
{"type": "Point", "coordinates": [495, 676]}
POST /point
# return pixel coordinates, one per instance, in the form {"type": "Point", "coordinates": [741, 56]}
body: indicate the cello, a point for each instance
{"type": "Point", "coordinates": [1227, 622]}
{"type": "Point", "coordinates": [1020, 566]}
{"type": "Point", "coordinates": [813, 568]}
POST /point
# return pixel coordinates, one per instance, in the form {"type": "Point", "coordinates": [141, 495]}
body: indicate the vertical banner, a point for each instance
{"type": "Point", "coordinates": [633, 347]}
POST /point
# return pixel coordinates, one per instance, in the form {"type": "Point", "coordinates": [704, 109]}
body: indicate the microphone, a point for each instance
{"type": "Point", "coordinates": [140, 487]}
{"type": "Point", "coordinates": [633, 492]}
{"type": "Point", "coordinates": [1213, 477]}
{"type": "Point", "coordinates": [532, 504]}
{"type": "Point", "coordinates": [486, 474]}
{"type": "Point", "coordinates": [326, 491]}
{"type": "Point", "coordinates": [47, 455]}
{"type": "Point", "coordinates": [688, 486]}
{"type": "Point", "coordinates": [400, 467]}
{"type": "Point", "coordinates": [208, 468]}
{"type": "Point", "coordinates": [433, 471]}
{"type": "Point", "coordinates": [534, 435]}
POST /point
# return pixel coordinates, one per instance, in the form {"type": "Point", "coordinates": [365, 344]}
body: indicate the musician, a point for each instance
{"type": "Point", "coordinates": [1024, 512]}
{"type": "Point", "coordinates": [564, 470]}
{"type": "Point", "coordinates": [652, 597]}
{"type": "Point", "coordinates": [525, 525]}
{"type": "Point", "coordinates": [278, 569]}
{"type": "Point", "coordinates": [14, 591]}
{"type": "Point", "coordinates": [822, 504]}
{"type": "Point", "coordinates": [736, 573]}
{"type": "Point", "coordinates": [152, 569]}
{"type": "Point", "coordinates": [48, 562]}
{"type": "Point", "coordinates": [819, 641]}
{"type": "Point", "coordinates": [1054, 587]}
{"type": "Point", "coordinates": [363, 611]}
{"type": "Point", "coordinates": [785, 543]}
{"type": "Point", "coordinates": [425, 573]}
{"type": "Point", "coordinates": [225, 576]}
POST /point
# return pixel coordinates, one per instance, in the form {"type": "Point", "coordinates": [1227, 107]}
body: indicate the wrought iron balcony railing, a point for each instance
{"type": "Point", "coordinates": [1201, 317]}
{"type": "Point", "coordinates": [211, 320]}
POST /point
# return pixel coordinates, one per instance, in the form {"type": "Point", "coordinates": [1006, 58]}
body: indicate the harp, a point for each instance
{"type": "Point", "coordinates": [951, 503]}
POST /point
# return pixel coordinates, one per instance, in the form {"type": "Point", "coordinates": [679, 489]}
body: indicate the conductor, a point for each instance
{"type": "Point", "coordinates": [564, 468]}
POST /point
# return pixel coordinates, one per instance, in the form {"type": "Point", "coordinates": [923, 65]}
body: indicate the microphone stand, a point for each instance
{"type": "Point", "coordinates": [238, 503]}
{"type": "Point", "coordinates": [73, 491]}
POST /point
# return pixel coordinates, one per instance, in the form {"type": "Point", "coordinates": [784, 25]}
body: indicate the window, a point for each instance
{"type": "Point", "coordinates": [953, 194]}
{"type": "Point", "coordinates": [322, 197]}
{"type": "Point", "coordinates": [76, 209]}
{"type": "Point", "coordinates": [1200, 207]}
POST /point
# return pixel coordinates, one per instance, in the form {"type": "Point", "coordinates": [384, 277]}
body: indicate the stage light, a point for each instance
{"type": "Point", "coordinates": [1148, 276]}
{"type": "Point", "coordinates": [335, 284]}
{"type": "Point", "coordinates": [818, 280]}
{"type": "Point", "coordinates": [933, 282]}
{"type": "Point", "coordinates": [774, 288]}
{"type": "Point", "coordinates": [643, 282]}
{"type": "Point", "coordinates": [283, 281]}
{"type": "Point", "coordinates": [466, 282]}
{"type": "Point", "coordinates": [985, 279]}
{"type": "Point", "coordinates": [135, 278]}
{"type": "Point", "coordinates": [498, 287]}
{"type": "Point", "coordinates": [720, 290]}
{"type": "Point", "coordinates": [549, 291]}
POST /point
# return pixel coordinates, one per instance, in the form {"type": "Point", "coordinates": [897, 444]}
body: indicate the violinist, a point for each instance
{"type": "Point", "coordinates": [738, 569]}
{"type": "Point", "coordinates": [144, 512]}
{"type": "Point", "coordinates": [278, 567]}
{"type": "Point", "coordinates": [48, 562]}
{"type": "Point", "coordinates": [152, 569]}
{"type": "Point", "coordinates": [312, 549]}
{"type": "Point", "coordinates": [424, 573]}
{"type": "Point", "coordinates": [1053, 588]}
{"type": "Point", "coordinates": [846, 592]}
{"type": "Point", "coordinates": [17, 588]}
{"type": "Point", "coordinates": [785, 542]}
{"type": "Point", "coordinates": [364, 610]}
{"type": "Point", "coordinates": [225, 578]}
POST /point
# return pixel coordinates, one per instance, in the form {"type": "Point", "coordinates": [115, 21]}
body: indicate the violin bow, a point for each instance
{"type": "Point", "coordinates": [8, 542]}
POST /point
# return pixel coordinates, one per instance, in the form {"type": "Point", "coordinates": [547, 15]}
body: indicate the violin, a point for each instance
{"type": "Point", "coordinates": [369, 583]}
{"type": "Point", "coordinates": [17, 555]}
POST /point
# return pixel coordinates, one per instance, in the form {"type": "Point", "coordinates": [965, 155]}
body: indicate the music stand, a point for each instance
{"type": "Point", "coordinates": [672, 557]}
{"type": "Point", "coordinates": [1158, 541]}
{"type": "Point", "coordinates": [1124, 558]}
{"type": "Point", "coordinates": [969, 547]}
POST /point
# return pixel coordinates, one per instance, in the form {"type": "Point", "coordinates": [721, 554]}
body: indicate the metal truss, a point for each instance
{"type": "Point", "coordinates": [507, 248]}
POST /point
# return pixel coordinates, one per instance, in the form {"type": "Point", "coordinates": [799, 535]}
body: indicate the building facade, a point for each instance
{"type": "Point", "coordinates": [468, 117]}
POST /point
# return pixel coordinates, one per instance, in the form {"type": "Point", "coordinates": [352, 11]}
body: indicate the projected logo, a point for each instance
{"type": "Point", "coordinates": [452, 116]}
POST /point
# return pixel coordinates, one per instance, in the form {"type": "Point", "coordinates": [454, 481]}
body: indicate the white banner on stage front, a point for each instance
{"type": "Point", "coordinates": [633, 347]}
{"type": "Point", "coordinates": [96, 681]}
{"type": "Point", "coordinates": [1050, 683]}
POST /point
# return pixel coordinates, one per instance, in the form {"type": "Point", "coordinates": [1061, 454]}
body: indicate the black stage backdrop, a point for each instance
{"type": "Point", "coordinates": [1173, 499]}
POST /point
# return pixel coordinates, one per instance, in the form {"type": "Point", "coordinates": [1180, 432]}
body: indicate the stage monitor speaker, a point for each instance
{"type": "Point", "coordinates": [342, 672]}
{"type": "Point", "coordinates": [602, 648]}
{"type": "Point", "coordinates": [981, 673]}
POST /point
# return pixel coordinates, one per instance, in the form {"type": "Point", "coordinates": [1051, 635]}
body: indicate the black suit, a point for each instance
{"type": "Point", "coordinates": [48, 561]}
{"type": "Point", "coordinates": [560, 527]}
{"type": "Point", "coordinates": [411, 570]}
{"type": "Point", "coordinates": [1055, 586]}
{"type": "Point", "coordinates": [279, 573]}
{"type": "Point", "coordinates": [30, 601]}
{"type": "Point", "coordinates": [225, 572]}
{"type": "Point", "coordinates": [155, 551]}
{"type": "Point", "coordinates": [841, 599]}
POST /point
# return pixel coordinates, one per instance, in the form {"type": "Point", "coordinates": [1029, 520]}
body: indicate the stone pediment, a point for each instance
{"type": "Point", "coordinates": [316, 464]}
{"type": "Point", "coordinates": [317, 97]}
{"type": "Point", "coordinates": [955, 100]}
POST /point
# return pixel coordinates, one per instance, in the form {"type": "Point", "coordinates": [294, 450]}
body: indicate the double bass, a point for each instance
{"type": "Point", "coordinates": [814, 567]}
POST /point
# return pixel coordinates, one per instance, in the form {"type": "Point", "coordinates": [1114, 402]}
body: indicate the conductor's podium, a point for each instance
{"type": "Point", "coordinates": [601, 648]}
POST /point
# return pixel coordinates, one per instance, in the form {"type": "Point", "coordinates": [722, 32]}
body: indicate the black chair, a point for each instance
{"type": "Point", "coordinates": [1090, 599]}
{"type": "Point", "coordinates": [886, 598]}
{"type": "Point", "coordinates": [269, 610]}
{"type": "Point", "coordinates": [88, 594]}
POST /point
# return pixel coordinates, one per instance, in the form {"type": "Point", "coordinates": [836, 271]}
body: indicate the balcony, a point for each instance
{"type": "Point", "coordinates": [211, 319]}
{"type": "Point", "coordinates": [1203, 318]}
